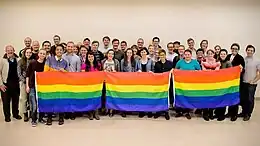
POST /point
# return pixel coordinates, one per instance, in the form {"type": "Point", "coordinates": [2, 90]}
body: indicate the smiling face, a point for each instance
{"type": "Point", "coordinates": [210, 54]}
{"type": "Point", "coordinates": [156, 42]}
{"type": "Point", "coordinates": [181, 50]}
{"type": "Point", "coordinates": [110, 55]}
{"type": "Point", "coordinates": [59, 51]}
{"type": "Point", "coordinates": [170, 48]}
{"type": "Point", "coordinates": [217, 49]}
{"type": "Point", "coordinates": [91, 58]}
{"type": "Point", "coordinates": [42, 54]}
{"type": "Point", "coordinates": [94, 47]}
{"type": "Point", "coordinates": [27, 42]}
{"type": "Point", "coordinates": [162, 56]}
{"type": "Point", "coordinates": [115, 45]}
{"type": "Point", "coordinates": [75, 49]}
{"type": "Point", "coordinates": [123, 46]}
{"type": "Point", "coordinates": [191, 44]}
{"type": "Point", "coordinates": [9, 50]}
{"type": "Point", "coordinates": [28, 53]}
{"type": "Point", "coordinates": [129, 53]}
{"type": "Point", "coordinates": [143, 53]}
{"type": "Point", "coordinates": [47, 46]}
{"type": "Point", "coordinates": [250, 52]}
{"type": "Point", "coordinates": [83, 51]}
{"type": "Point", "coordinates": [187, 56]}
{"type": "Point", "coordinates": [106, 42]}
{"type": "Point", "coordinates": [204, 45]}
{"type": "Point", "coordinates": [140, 43]}
{"type": "Point", "coordinates": [223, 55]}
{"type": "Point", "coordinates": [234, 50]}
{"type": "Point", "coordinates": [151, 49]}
{"type": "Point", "coordinates": [200, 54]}
{"type": "Point", "coordinates": [35, 46]}
{"type": "Point", "coordinates": [70, 47]}
{"type": "Point", "coordinates": [56, 40]}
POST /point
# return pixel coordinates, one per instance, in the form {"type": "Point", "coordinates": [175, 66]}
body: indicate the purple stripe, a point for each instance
{"type": "Point", "coordinates": [138, 108]}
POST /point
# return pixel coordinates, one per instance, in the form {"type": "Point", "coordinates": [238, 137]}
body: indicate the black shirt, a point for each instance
{"type": "Point", "coordinates": [12, 79]}
{"type": "Point", "coordinates": [144, 67]}
{"type": "Point", "coordinates": [34, 66]}
{"type": "Point", "coordinates": [163, 67]}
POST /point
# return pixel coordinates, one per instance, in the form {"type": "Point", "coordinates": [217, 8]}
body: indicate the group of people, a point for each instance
{"type": "Point", "coordinates": [17, 73]}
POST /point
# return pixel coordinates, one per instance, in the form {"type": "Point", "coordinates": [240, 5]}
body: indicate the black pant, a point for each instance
{"type": "Point", "coordinates": [180, 110]}
{"type": "Point", "coordinates": [11, 93]}
{"type": "Point", "coordinates": [248, 98]}
{"type": "Point", "coordinates": [61, 115]}
{"type": "Point", "coordinates": [207, 112]}
{"type": "Point", "coordinates": [220, 112]}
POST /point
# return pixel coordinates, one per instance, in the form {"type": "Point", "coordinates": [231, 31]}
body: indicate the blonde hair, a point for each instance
{"type": "Point", "coordinates": [8, 47]}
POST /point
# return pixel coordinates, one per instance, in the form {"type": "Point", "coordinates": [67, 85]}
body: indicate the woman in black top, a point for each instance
{"type": "Point", "coordinates": [236, 60]}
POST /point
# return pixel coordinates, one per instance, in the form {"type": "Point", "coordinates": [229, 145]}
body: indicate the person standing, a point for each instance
{"type": "Point", "coordinates": [191, 44]}
{"type": "Point", "coordinates": [56, 63]}
{"type": "Point", "coordinates": [249, 84]}
{"type": "Point", "coordinates": [92, 65]}
{"type": "Point", "coordinates": [27, 43]}
{"type": "Point", "coordinates": [119, 54]}
{"type": "Point", "coordinates": [74, 65]}
{"type": "Point", "coordinates": [204, 45]}
{"type": "Point", "coordinates": [46, 45]}
{"type": "Point", "coordinates": [186, 64]}
{"type": "Point", "coordinates": [21, 70]}
{"type": "Point", "coordinates": [220, 112]}
{"type": "Point", "coordinates": [9, 83]}
{"type": "Point", "coordinates": [34, 66]}
{"type": "Point", "coordinates": [98, 54]}
{"type": "Point", "coordinates": [106, 44]}
{"type": "Point", "coordinates": [35, 50]}
{"type": "Point", "coordinates": [236, 60]}
{"type": "Point", "coordinates": [86, 43]}
{"type": "Point", "coordinates": [123, 46]}
{"type": "Point", "coordinates": [170, 55]}
{"type": "Point", "coordinates": [163, 65]}
{"type": "Point", "coordinates": [156, 43]}
{"type": "Point", "coordinates": [56, 40]}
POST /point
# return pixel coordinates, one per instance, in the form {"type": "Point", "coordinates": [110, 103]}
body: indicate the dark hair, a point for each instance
{"type": "Point", "coordinates": [235, 44]}
{"type": "Point", "coordinates": [250, 46]}
{"type": "Point", "coordinates": [115, 40]}
{"type": "Point", "coordinates": [95, 42]}
{"type": "Point", "coordinates": [188, 51]}
{"type": "Point", "coordinates": [200, 50]}
{"type": "Point", "coordinates": [204, 41]}
{"type": "Point", "coordinates": [190, 39]}
{"type": "Point", "coordinates": [132, 58]}
{"type": "Point", "coordinates": [24, 59]}
{"type": "Point", "coordinates": [170, 43]}
{"type": "Point", "coordinates": [54, 52]}
{"type": "Point", "coordinates": [145, 49]}
{"type": "Point", "coordinates": [124, 42]}
{"type": "Point", "coordinates": [223, 50]}
{"type": "Point", "coordinates": [156, 38]}
{"type": "Point", "coordinates": [162, 51]}
{"type": "Point", "coordinates": [82, 46]}
{"type": "Point", "coordinates": [210, 50]}
{"type": "Point", "coordinates": [46, 42]}
{"type": "Point", "coordinates": [56, 36]}
{"type": "Point", "coordinates": [182, 46]}
{"type": "Point", "coordinates": [109, 51]}
{"type": "Point", "coordinates": [95, 62]}
{"type": "Point", "coordinates": [134, 47]}
{"type": "Point", "coordinates": [86, 39]}
{"type": "Point", "coordinates": [176, 42]}
{"type": "Point", "coordinates": [63, 44]}
{"type": "Point", "coordinates": [106, 37]}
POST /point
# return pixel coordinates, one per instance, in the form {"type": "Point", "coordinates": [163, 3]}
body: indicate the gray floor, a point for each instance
{"type": "Point", "coordinates": [133, 131]}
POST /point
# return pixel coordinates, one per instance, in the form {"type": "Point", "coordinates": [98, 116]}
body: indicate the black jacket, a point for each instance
{"type": "Point", "coordinates": [162, 67]}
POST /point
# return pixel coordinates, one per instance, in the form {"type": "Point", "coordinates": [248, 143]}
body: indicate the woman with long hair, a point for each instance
{"type": "Point", "coordinates": [91, 66]}
{"type": "Point", "coordinates": [217, 49]}
{"type": "Point", "coordinates": [210, 63]}
{"type": "Point", "coordinates": [22, 66]}
{"type": "Point", "coordinates": [220, 112]}
{"type": "Point", "coordinates": [83, 57]}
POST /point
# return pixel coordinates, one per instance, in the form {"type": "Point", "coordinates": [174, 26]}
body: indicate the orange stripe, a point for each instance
{"type": "Point", "coordinates": [80, 78]}
{"type": "Point", "coordinates": [137, 78]}
{"type": "Point", "coordinates": [206, 76]}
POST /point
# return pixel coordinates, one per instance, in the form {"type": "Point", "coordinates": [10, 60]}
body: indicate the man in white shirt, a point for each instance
{"type": "Point", "coordinates": [106, 45]}
{"type": "Point", "coordinates": [170, 53]}
{"type": "Point", "coordinates": [191, 44]}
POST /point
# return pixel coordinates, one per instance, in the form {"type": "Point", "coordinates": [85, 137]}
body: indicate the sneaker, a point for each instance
{"type": "Point", "coordinates": [41, 120]}
{"type": "Point", "coordinates": [96, 116]}
{"type": "Point", "coordinates": [7, 119]}
{"type": "Point", "coordinates": [34, 124]}
{"type": "Point", "coordinates": [123, 115]}
{"type": "Point", "coordinates": [188, 116]}
{"type": "Point", "coordinates": [246, 118]}
{"type": "Point", "coordinates": [25, 117]}
{"type": "Point", "coordinates": [233, 119]}
{"type": "Point", "coordinates": [150, 115]}
{"type": "Point", "coordinates": [49, 122]}
{"type": "Point", "coordinates": [61, 121]}
{"type": "Point", "coordinates": [241, 115]}
{"type": "Point", "coordinates": [221, 118]}
{"type": "Point", "coordinates": [141, 115]}
{"type": "Point", "coordinates": [167, 116]}
{"type": "Point", "coordinates": [17, 117]}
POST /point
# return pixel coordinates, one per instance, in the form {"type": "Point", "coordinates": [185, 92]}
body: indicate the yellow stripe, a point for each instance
{"type": "Point", "coordinates": [137, 88]}
{"type": "Point", "coordinates": [69, 88]}
{"type": "Point", "coordinates": [206, 86]}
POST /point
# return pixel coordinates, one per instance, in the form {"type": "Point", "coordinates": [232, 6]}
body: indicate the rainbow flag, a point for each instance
{"type": "Point", "coordinates": [69, 92]}
{"type": "Point", "coordinates": [206, 89]}
{"type": "Point", "coordinates": [137, 91]}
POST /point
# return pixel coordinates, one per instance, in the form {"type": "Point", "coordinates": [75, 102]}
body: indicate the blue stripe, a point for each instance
{"type": "Point", "coordinates": [207, 101]}
{"type": "Point", "coordinates": [137, 101]}
{"type": "Point", "coordinates": [68, 105]}
{"type": "Point", "coordinates": [136, 107]}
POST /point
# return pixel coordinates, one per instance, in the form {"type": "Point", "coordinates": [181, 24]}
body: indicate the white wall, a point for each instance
{"type": "Point", "coordinates": [221, 22]}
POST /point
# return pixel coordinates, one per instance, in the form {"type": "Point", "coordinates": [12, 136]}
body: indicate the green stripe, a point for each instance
{"type": "Point", "coordinates": [148, 95]}
{"type": "Point", "coordinates": [67, 95]}
{"type": "Point", "coordinates": [199, 93]}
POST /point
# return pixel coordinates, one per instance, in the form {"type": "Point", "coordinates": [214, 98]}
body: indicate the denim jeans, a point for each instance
{"type": "Point", "coordinates": [248, 98]}
{"type": "Point", "coordinates": [33, 104]}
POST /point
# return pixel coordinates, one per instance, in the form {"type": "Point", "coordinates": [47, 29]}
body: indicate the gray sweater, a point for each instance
{"type": "Point", "coordinates": [73, 62]}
